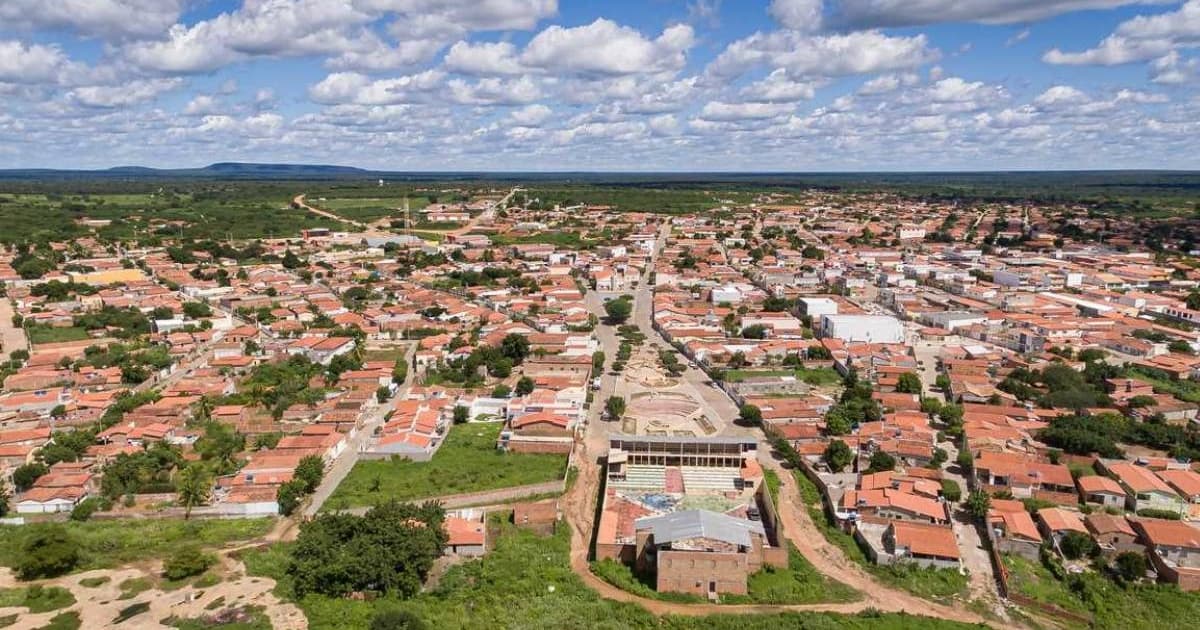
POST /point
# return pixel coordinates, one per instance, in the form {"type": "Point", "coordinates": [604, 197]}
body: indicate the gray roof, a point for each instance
{"type": "Point", "coordinates": [699, 524]}
{"type": "Point", "coordinates": [680, 439]}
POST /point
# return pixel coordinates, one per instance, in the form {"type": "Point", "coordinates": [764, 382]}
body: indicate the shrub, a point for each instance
{"type": "Point", "coordinates": [951, 490]}
{"type": "Point", "coordinates": [186, 562]}
{"type": "Point", "coordinates": [84, 509]}
{"type": "Point", "coordinates": [289, 495]}
{"type": "Point", "coordinates": [394, 619]}
{"type": "Point", "coordinates": [1075, 545]}
{"type": "Point", "coordinates": [1163, 514]}
{"type": "Point", "coordinates": [49, 552]}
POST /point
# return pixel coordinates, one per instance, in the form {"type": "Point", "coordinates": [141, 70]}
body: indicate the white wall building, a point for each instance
{"type": "Point", "coordinates": [863, 328]}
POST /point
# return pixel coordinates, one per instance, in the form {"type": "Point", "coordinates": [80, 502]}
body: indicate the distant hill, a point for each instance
{"type": "Point", "coordinates": [220, 170]}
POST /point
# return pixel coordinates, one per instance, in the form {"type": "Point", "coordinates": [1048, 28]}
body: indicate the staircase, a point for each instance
{"type": "Point", "coordinates": [638, 476]}
{"type": "Point", "coordinates": [716, 479]}
{"type": "Point", "coordinates": [673, 484]}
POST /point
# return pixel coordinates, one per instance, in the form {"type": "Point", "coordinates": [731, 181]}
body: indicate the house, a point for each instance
{"type": "Point", "coordinates": [466, 533]}
{"type": "Point", "coordinates": [1187, 484]}
{"type": "Point", "coordinates": [1112, 533]}
{"type": "Point", "coordinates": [1012, 529]}
{"type": "Point", "coordinates": [1054, 523]}
{"type": "Point", "coordinates": [1102, 491]}
{"type": "Point", "coordinates": [1174, 550]}
{"type": "Point", "coordinates": [702, 552]}
{"type": "Point", "coordinates": [1146, 491]}
{"type": "Point", "coordinates": [923, 544]}
{"type": "Point", "coordinates": [1025, 477]}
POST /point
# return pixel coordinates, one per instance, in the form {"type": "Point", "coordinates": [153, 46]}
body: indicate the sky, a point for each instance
{"type": "Point", "coordinates": [614, 85]}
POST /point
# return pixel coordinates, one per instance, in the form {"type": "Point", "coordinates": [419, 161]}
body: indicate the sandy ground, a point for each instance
{"type": "Point", "coordinates": [98, 606]}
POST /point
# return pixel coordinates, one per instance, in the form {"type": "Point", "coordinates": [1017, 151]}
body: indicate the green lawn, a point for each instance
{"type": "Point", "coordinates": [813, 376]}
{"type": "Point", "coordinates": [36, 598]}
{"type": "Point", "coordinates": [1112, 606]}
{"type": "Point", "coordinates": [526, 582]}
{"type": "Point", "coordinates": [368, 208]}
{"type": "Point", "coordinates": [49, 334]}
{"type": "Point", "coordinates": [467, 462]}
{"type": "Point", "coordinates": [107, 544]}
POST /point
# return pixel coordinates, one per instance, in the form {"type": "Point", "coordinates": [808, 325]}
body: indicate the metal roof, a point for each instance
{"type": "Point", "coordinates": [700, 524]}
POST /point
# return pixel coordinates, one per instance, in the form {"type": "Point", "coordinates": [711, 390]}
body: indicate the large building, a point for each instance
{"type": "Point", "coordinates": [691, 513]}
{"type": "Point", "coordinates": [863, 328]}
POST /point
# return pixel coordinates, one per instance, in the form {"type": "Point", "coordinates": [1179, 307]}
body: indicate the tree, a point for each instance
{"type": "Point", "coordinates": [501, 391]}
{"type": "Point", "coordinates": [515, 347]}
{"type": "Point", "coordinates": [978, 504]}
{"type": "Point", "coordinates": [618, 310]}
{"type": "Point", "coordinates": [942, 382]}
{"type": "Point", "coordinates": [289, 496]}
{"type": "Point", "coordinates": [597, 362]}
{"type": "Point", "coordinates": [25, 476]}
{"type": "Point", "coordinates": [395, 619]}
{"type": "Point", "coordinates": [187, 561]}
{"type": "Point", "coordinates": [837, 456]}
{"type": "Point", "coordinates": [1142, 401]}
{"type": "Point", "coordinates": [85, 508]}
{"type": "Point", "coordinates": [881, 462]}
{"type": "Point", "coordinates": [951, 491]}
{"type": "Point", "coordinates": [382, 393]}
{"type": "Point", "coordinates": [819, 353]}
{"type": "Point", "coordinates": [524, 386]}
{"type": "Point", "coordinates": [908, 383]}
{"type": "Point", "coordinates": [614, 407]}
{"type": "Point", "coordinates": [751, 414]}
{"type": "Point", "coordinates": [49, 552]}
{"type": "Point", "coordinates": [4, 496]}
{"type": "Point", "coordinates": [400, 371]}
{"type": "Point", "coordinates": [461, 414]}
{"type": "Point", "coordinates": [193, 488]}
{"type": "Point", "coordinates": [1075, 545]}
{"type": "Point", "coordinates": [1130, 565]}
{"type": "Point", "coordinates": [757, 331]}
{"type": "Point", "coordinates": [310, 470]}
{"type": "Point", "coordinates": [390, 549]}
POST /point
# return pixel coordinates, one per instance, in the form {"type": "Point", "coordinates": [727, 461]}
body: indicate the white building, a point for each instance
{"type": "Point", "coordinates": [817, 306]}
{"type": "Point", "coordinates": [863, 328]}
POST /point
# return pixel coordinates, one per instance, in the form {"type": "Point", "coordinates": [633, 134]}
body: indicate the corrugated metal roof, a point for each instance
{"type": "Point", "coordinates": [700, 524]}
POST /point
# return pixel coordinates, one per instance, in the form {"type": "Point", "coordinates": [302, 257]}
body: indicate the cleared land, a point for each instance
{"type": "Point", "coordinates": [467, 462]}
{"type": "Point", "coordinates": [106, 544]}
{"type": "Point", "coordinates": [812, 376]}
{"type": "Point", "coordinates": [527, 582]}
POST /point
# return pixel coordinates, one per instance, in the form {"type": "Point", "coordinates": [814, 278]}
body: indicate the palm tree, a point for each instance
{"type": "Point", "coordinates": [194, 488]}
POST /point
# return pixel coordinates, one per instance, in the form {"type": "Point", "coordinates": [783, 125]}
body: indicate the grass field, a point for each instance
{"type": "Point", "coordinates": [107, 544]}
{"type": "Point", "coordinates": [368, 208]}
{"type": "Point", "coordinates": [526, 582]}
{"type": "Point", "coordinates": [37, 599]}
{"type": "Point", "coordinates": [467, 462]}
{"type": "Point", "coordinates": [48, 334]}
{"type": "Point", "coordinates": [813, 376]}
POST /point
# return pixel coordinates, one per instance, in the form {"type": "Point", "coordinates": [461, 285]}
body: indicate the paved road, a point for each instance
{"type": "Point", "coordinates": [341, 466]}
{"type": "Point", "coordinates": [11, 337]}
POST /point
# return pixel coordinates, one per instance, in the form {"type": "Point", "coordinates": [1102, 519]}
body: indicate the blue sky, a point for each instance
{"type": "Point", "coordinates": [674, 85]}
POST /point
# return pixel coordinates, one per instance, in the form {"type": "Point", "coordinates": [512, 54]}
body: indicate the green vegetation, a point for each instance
{"type": "Point", "coordinates": [242, 618]}
{"type": "Point", "coordinates": [389, 550]}
{"type": "Point", "coordinates": [64, 621]}
{"type": "Point", "coordinates": [564, 240]}
{"type": "Point", "coordinates": [51, 334]}
{"type": "Point", "coordinates": [106, 544]}
{"type": "Point", "coordinates": [468, 461]}
{"type": "Point", "coordinates": [93, 582]}
{"type": "Point", "coordinates": [936, 584]}
{"type": "Point", "coordinates": [133, 587]}
{"type": "Point", "coordinates": [526, 582]}
{"type": "Point", "coordinates": [368, 208]}
{"type": "Point", "coordinates": [187, 561]}
{"type": "Point", "coordinates": [820, 377]}
{"type": "Point", "coordinates": [36, 598]}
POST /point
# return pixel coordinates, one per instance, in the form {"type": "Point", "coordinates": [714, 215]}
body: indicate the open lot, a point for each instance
{"type": "Point", "coordinates": [467, 462]}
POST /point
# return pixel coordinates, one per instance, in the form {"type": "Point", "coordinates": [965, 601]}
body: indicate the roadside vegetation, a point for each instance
{"type": "Point", "coordinates": [468, 461]}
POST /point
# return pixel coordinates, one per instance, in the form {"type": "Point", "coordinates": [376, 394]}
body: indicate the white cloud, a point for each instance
{"type": "Point", "coordinates": [717, 111]}
{"type": "Point", "coordinates": [607, 48]}
{"type": "Point", "coordinates": [484, 58]}
{"type": "Point", "coordinates": [353, 87]}
{"type": "Point", "coordinates": [1060, 95]}
{"type": "Point", "coordinates": [30, 63]}
{"type": "Point", "coordinates": [890, 13]}
{"type": "Point", "coordinates": [778, 87]}
{"type": "Point", "coordinates": [887, 83]}
{"type": "Point", "coordinates": [124, 95]}
{"type": "Point", "coordinates": [201, 105]}
{"type": "Point", "coordinates": [862, 52]}
{"type": "Point", "coordinates": [1141, 38]}
{"type": "Point", "coordinates": [798, 15]}
{"type": "Point", "coordinates": [1171, 69]}
{"type": "Point", "coordinates": [531, 115]}
{"type": "Point", "coordinates": [494, 91]}
{"type": "Point", "coordinates": [101, 18]}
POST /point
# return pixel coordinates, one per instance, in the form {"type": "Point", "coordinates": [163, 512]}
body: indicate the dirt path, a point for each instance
{"type": "Point", "coordinates": [579, 510]}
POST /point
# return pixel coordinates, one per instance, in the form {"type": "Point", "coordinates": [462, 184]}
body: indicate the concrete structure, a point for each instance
{"type": "Point", "coordinates": [702, 552]}
{"type": "Point", "coordinates": [862, 328]}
